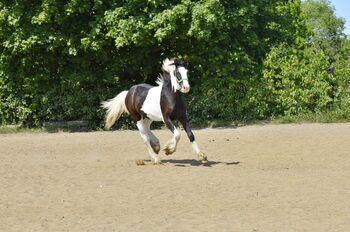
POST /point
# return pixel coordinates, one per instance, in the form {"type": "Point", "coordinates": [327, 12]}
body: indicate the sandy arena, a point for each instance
{"type": "Point", "coordinates": [260, 178]}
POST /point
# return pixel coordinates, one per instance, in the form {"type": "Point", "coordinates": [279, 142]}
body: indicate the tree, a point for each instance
{"type": "Point", "coordinates": [327, 29]}
{"type": "Point", "coordinates": [297, 82]}
{"type": "Point", "coordinates": [59, 59]}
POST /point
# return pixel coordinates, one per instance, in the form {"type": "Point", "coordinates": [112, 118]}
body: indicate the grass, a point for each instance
{"type": "Point", "coordinates": [10, 129]}
{"type": "Point", "coordinates": [335, 116]}
{"type": "Point", "coordinates": [51, 127]}
{"type": "Point", "coordinates": [317, 117]}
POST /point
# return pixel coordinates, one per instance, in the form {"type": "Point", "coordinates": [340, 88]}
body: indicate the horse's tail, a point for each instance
{"type": "Point", "coordinates": [115, 108]}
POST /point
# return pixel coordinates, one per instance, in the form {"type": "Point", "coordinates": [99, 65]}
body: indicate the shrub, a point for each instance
{"type": "Point", "coordinates": [297, 82]}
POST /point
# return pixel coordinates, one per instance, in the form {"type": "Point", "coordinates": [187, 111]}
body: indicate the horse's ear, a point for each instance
{"type": "Point", "coordinates": [176, 62]}
{"type": "Point", "coordinates": [187, 63]}
{"type": "Point", "coordinates": [179, 62]}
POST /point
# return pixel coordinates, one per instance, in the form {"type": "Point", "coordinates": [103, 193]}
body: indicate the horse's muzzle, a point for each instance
{"type": "Point", "coordinates": [185, 89]}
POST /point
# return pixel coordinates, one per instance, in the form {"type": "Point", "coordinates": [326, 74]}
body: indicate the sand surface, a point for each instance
{"type": "Point", "coordinates": [259, 178]}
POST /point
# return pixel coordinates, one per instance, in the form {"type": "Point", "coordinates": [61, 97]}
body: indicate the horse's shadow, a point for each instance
{"type": "Point", "coordinates": [193, 162]}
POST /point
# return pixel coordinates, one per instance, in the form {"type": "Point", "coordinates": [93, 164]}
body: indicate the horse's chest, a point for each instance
{"type": "Point", "coordinates": [151, 105]}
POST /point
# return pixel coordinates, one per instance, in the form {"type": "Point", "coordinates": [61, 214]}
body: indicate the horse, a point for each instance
{"type": "Point", "coordinates": [146, 103]}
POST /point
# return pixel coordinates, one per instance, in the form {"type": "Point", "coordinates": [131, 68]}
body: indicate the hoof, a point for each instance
{"type": "Point", "coordinates": [170, 147]}
{"type": "Point", "coordinates": [202, 158]}
{"type": "Point", "coordinates": [140, 162]}
{"type": "Point", "coordinates": [168, 150]}
{"type": "Point", "coordinates": [157, 161]}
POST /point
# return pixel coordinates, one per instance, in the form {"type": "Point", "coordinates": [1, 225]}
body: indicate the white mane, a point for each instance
{"type": "Point", "coordinates": [160, 79]}
{"type": "Point", "coordinates": [168, 66]}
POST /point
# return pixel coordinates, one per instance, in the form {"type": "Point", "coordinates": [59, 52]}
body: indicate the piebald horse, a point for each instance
{"type": "Point", "coordinates": [146, 103]}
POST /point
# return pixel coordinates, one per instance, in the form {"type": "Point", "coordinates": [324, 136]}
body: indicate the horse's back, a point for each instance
{"type": "Point", "coordinates": [138, 93]}
{"type": "Point", "coordinates": [142, 86]}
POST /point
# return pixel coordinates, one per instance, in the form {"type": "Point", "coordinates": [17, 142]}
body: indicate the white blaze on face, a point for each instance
{"type": "Point", "coordinates": [185, 85]}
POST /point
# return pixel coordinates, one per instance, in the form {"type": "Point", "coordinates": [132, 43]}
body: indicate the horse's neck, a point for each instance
{"type": "Point", "coordinates": [167, 87]}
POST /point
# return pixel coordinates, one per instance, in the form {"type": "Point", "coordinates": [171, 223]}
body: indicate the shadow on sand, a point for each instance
{"type": "Point", "coordinates": [193, 162]}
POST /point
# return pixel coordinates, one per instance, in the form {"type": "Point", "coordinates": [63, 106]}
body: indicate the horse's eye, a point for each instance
{"type": "Point", "coordinates": [178, 75]}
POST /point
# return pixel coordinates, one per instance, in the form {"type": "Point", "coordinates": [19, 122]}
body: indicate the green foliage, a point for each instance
{"type": "Point", "coordinates": [297, 82]}
{"type": "Point", "coordinates": [327, 29]}
{"type": "Point", "coordinates": [231, 61]}
{"type": "Point", "coordinates": [342, 74]}
{"type": "Point", "coordinates": [59, 59]}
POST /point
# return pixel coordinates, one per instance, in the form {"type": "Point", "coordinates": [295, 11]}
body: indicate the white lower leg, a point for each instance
{"type": "Point", "coordinates": [154, 156]}
{"type": "Point", "coordinates": [170, 146]}
{"type": "Point", "coordinates": [147, 139]}
{"type": "Point", "coordinates": [200, 154]}
{"type": "Point", "coordinates": [195, 147]}
{"type": "Point", "coordinates": [149, 147]}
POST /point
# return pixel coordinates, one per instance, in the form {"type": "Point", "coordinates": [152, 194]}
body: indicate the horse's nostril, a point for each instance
{"type": "Point", "coordinates": [186, 88]}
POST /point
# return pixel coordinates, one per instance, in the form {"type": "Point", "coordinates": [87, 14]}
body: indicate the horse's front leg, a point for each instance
{"type": "Point", "coordinates": [170, 146]}
{"type": "Point", "coordinates": [151, 141]}
{"type": "Point", "coordinates": [186, 125]}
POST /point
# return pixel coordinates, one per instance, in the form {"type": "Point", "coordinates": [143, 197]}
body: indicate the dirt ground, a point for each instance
{"type": "Point", "coordinates": [259, 178]}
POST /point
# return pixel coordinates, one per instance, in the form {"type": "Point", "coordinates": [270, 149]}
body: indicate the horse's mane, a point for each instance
{"type": "Point", "coordinates": [160, 80]}
{"type": "Point", "coordinates": [169, 67]}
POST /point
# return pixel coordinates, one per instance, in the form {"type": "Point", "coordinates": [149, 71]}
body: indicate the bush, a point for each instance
{"type": "Point", "coordinates": [297, 82]}
{"type": "Point", "coordinates": [59, 59]}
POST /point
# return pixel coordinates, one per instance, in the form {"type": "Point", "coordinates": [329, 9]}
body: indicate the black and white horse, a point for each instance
{"type": "Point", "coordinates": [146, 103]}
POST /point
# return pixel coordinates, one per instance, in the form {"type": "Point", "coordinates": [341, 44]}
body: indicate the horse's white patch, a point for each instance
{"type": "Point", "coordinates": [183, 71]}
{"type": "Point", "coordinates": [174, 83]}
{"type": "Point", "coordinates": [185, 87]}
{"type": "Point", "coordinates": [151, 105]}
{"type": "Point", "coordinates": [195, 147]}
{"type": "Point", "coordinates": [170, 146]}
{"type": "Point", "coordinates": [168, 65]}
{"type": "Point", "coordinates": [147, 136]}
{"type": "Point", "coordinates": [176, 134]}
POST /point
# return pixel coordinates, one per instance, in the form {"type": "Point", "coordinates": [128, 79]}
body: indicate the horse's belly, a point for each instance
{"type": "Point", "coordinates": [151, 105]}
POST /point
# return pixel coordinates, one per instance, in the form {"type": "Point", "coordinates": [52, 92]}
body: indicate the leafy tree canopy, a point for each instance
{"type": "Point", "coordinates": [60, 58]}
{"type": "Point", "coordinates": [327, 29]}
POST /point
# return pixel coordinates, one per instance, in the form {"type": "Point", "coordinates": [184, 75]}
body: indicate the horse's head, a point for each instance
{"type": "Point", "coordinates": [178, 70]}
{"type": "Point", "coordinates": [181, 71]}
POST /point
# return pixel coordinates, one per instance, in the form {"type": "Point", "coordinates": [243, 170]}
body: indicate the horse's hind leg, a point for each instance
{"type": "Point", "coordinates": [150, 139]}
{"type": "Point", "coordinates": [154, 141]}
